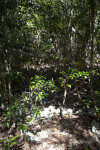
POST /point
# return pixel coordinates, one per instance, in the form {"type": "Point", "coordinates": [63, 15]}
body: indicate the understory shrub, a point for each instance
{"type": "Point", "coordinates": [18, 109]}
{"type": "Point", "coordinates": [71, 75]}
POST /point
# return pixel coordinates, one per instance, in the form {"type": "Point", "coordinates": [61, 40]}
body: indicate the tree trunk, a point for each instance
{"type": "Point", "coordinates": [92, 32]}
{"type": "Point", "coordinates": [92, 11]}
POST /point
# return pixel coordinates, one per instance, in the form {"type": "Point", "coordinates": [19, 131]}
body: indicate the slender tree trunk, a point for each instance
{"type": "Point", "coordinates": [70, 34]}
{"type": "Point", "coordinates": [92, 11]}
{"type": "Point", "coordinates": [65, 92]}
{"type": "Point", "coordinates": [92, 33]}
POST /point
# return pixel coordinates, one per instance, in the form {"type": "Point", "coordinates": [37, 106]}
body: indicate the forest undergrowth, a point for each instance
{"type": "Point", "coordinates": [49, 90]}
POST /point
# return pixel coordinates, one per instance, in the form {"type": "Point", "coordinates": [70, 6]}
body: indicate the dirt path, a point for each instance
{"type": "Point", "coordinates": [72, 132]}
{"type": "Point", "coordinates": [51, 132]}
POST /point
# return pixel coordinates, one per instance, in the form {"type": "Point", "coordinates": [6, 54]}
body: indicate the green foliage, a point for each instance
{"type": "Point", "coordinates": [76, 73]}
{"type": "Point", "coordinates": [22, 126]}
{"type": "Point", "coordinates": [18, 109]}
{"type": "Point", "coordinates": [16, 112]}
{"type": "Point", "coordinates": [88, 102]}
{"type": "Point", "coordinates": [97, 97]}
{"type": "Point", "coordinates": [98, 113]}
{"type": "Point", "coordinates": [8, 143]}
{"type": "Point", "coordinates": [32, 29]}
{"type": "Point", "coordinates": [86, 147]}
{"type": "Point", "coordinates": [35, 113]}
{"type": "Point", "coordinates": [71, 74]}
{"type": "Point", "coordinates": [40, 87]}
{"type": "Point", "coordinates": [68, 85]}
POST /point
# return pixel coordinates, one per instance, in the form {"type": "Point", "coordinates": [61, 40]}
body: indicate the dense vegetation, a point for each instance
{"type": "Point", "coordinates": [47, 48]}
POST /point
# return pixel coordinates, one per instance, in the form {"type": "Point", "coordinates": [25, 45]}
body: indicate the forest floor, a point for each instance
{"type": "Point", "coordinates": [72, 132]}
{"type": "Point", "coordinates": [53, 132]}
{"type": "Point", "coordinates": [56, 129]}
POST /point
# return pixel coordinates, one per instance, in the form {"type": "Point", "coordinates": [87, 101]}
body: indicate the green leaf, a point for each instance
{"type": "Point", "coordinates": [5, 143]}
{"type": "Point", "coordinates": [12, 139]}
{"type": "Point", "coordinates": [84, 100]}
{"type": "Point", "coordinates": [85, 147]}
{"type": "Point", "coordinates": [68, 85]}
{"type": "Point", "coordinates": [41, 102]}
{"type": "Point", "coordinates": [7, 124]}
{"type": "Point", "coordinates": [2, 140]}
{"type": "Point", "coordinates": [88, 105]}
{"type": "Point", "coordinates": [35, 93]}
{"type": "Point", "coordinates": [13, 143]}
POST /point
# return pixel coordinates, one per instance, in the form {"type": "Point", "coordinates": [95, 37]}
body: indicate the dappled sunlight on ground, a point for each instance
{"type": "Point", "coordinates": [71, 132]}
{"type": "Point", "coordinates": [53, 132]}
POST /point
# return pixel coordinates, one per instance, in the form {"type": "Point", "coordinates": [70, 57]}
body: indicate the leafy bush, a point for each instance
{"type": "Point", "coordinates": [8, 143]}
{"type": "Point", "coordinates": [15, 112]}
{"type": "Point", "coordinates": [18, 109]}
{"type": "Point", "coordinates": [40, 88]}
{"type": "Point", "coordinates": [71, 74]}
